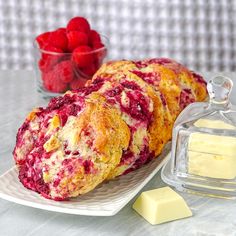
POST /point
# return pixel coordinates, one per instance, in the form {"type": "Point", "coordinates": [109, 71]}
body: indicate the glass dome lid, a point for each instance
{"type": "Point", "coordinates": [203, 155]}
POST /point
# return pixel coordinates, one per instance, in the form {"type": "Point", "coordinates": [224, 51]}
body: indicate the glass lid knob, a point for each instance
{"type": "Point", "coordinates": [219, 89]}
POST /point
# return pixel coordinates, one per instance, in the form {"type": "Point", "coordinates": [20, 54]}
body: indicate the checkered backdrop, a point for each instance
{"type": "Point", "coordinates": [199, 33]}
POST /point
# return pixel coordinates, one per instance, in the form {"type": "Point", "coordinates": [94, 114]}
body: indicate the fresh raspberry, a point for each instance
{"type": "Point", "coordinates": [62, 29]}
{"type": "Point", "coordinates": [78, 83]}
{"type": "Point", "coordinates": [100, 53]}
{"type": "Point", "coordinates": [45, 65]}
{"type": "Point", "coordinates": [93, 37]}
{"type": "Point", "coordinates": [98, 62]}
{"type": "Point", "coordinates": [64, 70]}
{"type": "Point", "coordinates": [52, 82]}
{"type": "Point", "coordinates": [83, 56]}
{"type": "Point", "coordinates": [89, 70]}
{"type": "Point", "coordinates": [42, 39]}
{"type": "Point", "coordinates": [76, 39]}
{"type": "Point", "coordinates": [58, 39]}
{"type": "Point", "coordinates": [50, 57]}
{"type": "Point", "coordinates": [50, 48]}
{"type": "Point", "coordinates": [98, 45]}
{"type": "Point", "coordinates": [79, 24]}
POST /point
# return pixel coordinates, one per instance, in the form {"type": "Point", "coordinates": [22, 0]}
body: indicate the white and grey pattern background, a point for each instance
{"type": "Point", "coordinates": [199, 33]}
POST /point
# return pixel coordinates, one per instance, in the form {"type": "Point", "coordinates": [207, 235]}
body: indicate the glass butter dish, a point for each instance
{"type": "Point", "coordinates": [203, 155]}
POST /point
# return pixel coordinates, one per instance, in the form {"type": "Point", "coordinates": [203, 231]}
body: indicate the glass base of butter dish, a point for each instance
{"type": "Point", "coordinates": [199, 185]}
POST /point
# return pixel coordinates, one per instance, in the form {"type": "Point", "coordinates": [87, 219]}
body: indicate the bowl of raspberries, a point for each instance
{"type": "Point", "coordinates": [67, 58]}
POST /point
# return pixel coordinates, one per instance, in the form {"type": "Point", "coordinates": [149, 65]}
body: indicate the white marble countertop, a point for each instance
{"type": "Point", "coordinates": [17, 97]}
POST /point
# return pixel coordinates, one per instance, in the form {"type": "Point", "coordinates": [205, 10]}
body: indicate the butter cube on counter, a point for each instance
{"type": "Point", "coordinates": [161, 205]}
{"type": "Point", "coordinates": [211, 155]}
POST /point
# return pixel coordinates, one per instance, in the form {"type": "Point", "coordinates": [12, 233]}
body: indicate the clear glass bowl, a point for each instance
{"type": "Point", "coordinates": [58, 72]}
{"type": "Point", "coordinates": [203, 155]}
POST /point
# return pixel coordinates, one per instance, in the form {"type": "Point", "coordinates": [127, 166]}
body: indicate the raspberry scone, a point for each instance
{"type": "Point", "coordinates": [120, 121]}
{"type": "Point", "coordinates": [71, 146]}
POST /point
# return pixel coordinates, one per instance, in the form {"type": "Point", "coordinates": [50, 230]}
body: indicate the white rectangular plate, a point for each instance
{"type": "Point", "coordinates": [105, 200]}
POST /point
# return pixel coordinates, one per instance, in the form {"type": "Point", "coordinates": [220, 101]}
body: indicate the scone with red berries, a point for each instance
{"type": "Point", "coordinates": [71, 146]}
{"type": "Point", "coordinates": [120, 121]}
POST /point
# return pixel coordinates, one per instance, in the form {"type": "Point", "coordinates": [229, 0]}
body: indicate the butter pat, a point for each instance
{"type": "Point", "coordinates": [161, 205]}
{"type": "Point", "coordinates": [215, 144]}
{"type": "Point", "coordinates": [212, 155]}
{"type": "Point", "coordinates": [212, 165]}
